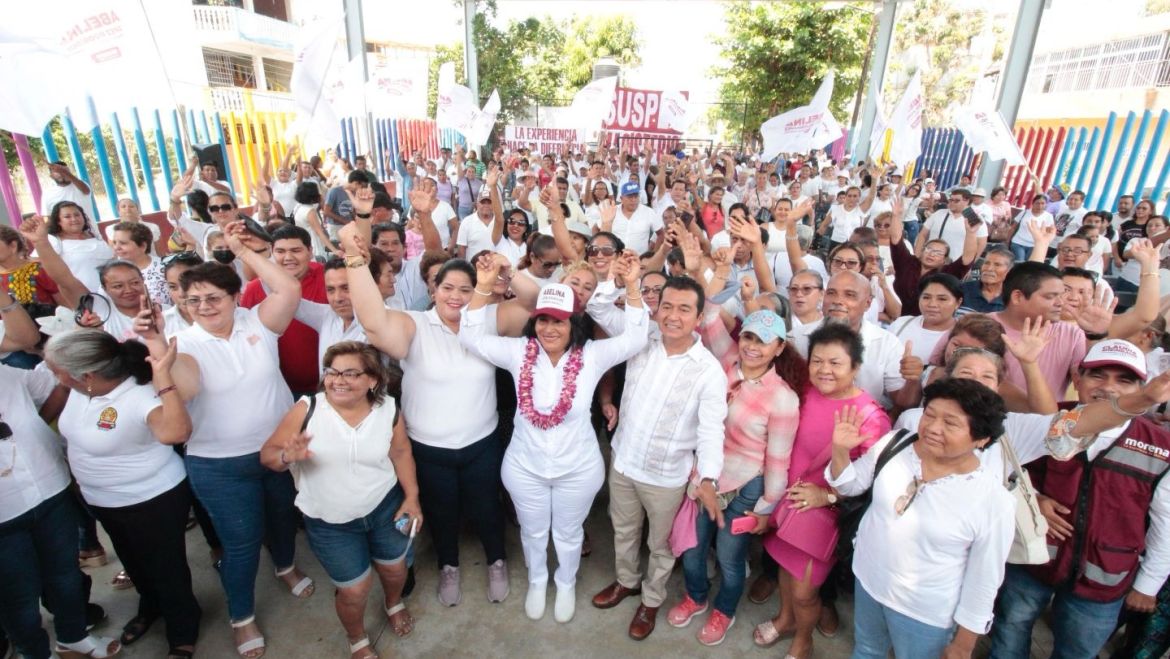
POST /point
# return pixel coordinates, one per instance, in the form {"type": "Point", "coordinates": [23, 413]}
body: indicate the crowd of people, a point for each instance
{"type": "Point", "coordinates": [945, 409]}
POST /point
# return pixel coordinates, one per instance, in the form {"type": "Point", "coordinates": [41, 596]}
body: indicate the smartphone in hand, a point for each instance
{"type": "Point", "coordinates": [741, 525]}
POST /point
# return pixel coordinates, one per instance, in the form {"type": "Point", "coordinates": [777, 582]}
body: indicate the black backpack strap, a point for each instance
{"type": "Point", "coordinates": [312, 406]}
{"type": "Point", "coordinates": [894, 447]}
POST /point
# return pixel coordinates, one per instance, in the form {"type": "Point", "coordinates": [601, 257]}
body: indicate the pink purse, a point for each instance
{"type": "Point", "coordinates": [812, 531]}
{"type": "Point", "coordinates": [683, 533]}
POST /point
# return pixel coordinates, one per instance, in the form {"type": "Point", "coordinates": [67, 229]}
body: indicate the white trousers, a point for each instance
{"type": "Point", "coordinates": [561, 503]}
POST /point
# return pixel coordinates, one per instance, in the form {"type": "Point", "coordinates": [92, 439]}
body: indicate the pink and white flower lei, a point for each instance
{"type": "Point", "coordinates": [568, 388]}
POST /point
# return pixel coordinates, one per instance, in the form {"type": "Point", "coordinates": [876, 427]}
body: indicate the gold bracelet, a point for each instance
{"type": "Point", "coordinates": [630, 297]}
{"type": "Point", "coordinates": [479, 292]}
{"type": "Point", "coordinates": [1149, 274]}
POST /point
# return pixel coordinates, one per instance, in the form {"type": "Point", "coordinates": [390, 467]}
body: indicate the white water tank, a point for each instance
{"type": "Point", "coordinates": [605, 68]}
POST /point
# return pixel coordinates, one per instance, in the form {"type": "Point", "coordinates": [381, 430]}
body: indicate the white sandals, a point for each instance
{"type": "Point", "coordinates": [303, 588]}
{"type": "Point", "coordinates": [252, 644]}
{"type": "Point", "coordinates": [90, 647]}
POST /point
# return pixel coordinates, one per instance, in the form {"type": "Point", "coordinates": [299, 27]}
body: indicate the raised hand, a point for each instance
{"type": "Point", "coordinates": [1033, 338]}
{"type": "Point", "coordinates": [911, 366]}
{"type": "Point", "coordinates": [692, 251]}
{"type": "Point", "coordinates": [352, 241]}
{"type": "Point", "coordinates": [1157, 391]}
{"type": "Point", "coordinates": [421, 201]}
{"type": "Point", "coordinates": [234, 233]}
{"type": "Point", "coordinates": [362, 200]}
{"type": "Point", "coordinates": [847, 428]}
{"type": "Point", "coordinates": [492, 177]}
{"type": "Point", "coordinates": [261, 193]}
{"type": "Point", "coordinates": [1041, 232]}
{"type": "Point", "coordinates": [162, 365]}
{"type": "Point", "coordinates": [608, 212]}
{"type": "Point", "coordinates": [747, 289]}
{"type": "Point", "coordinates": [722, 258]}
{"type": "Point", "coordinates": [747, 231]}
{"type": "Point", "coordinates": [633, 271]}
{"type": "Point", "coordinates": [1145, 252]}
{"type": "Point", "coordinates": [487, 268]}
{"type": "Point", "coordinates": [184, 185]}
{"type": "Point", "coordinates": [1095, 316]}
{"type": "Point", "coordinates": [35, 229]}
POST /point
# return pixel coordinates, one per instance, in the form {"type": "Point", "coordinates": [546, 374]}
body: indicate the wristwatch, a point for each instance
{"type": "Point", "coordinates": [355, 261]}
{"type": "Point", "coordinates": [833, 499]}
{"type": "Point", "coordinates": [714, 483]}
{"type": "Point", "coordinates": [364, 216]}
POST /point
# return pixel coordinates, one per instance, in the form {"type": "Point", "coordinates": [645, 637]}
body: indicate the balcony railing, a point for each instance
{"type": "Point", "coordinates": [233, 23]}
{"type": "Point", "coordinates": [236, 99]}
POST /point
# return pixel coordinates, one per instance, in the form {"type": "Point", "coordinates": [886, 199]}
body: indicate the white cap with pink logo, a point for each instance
{"type": "Point", "coordinates": [1116, 352]}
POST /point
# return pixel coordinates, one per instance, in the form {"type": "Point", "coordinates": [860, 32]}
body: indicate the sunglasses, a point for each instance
{"type": "Point", "coordinates": [188, 257]}
{"type": "Point", "coordinates": [548, 265]}
{"type": "Point", "coordinates": [221, 208]}
{"type": "Point", "coordinates": [902, 503]}
{"type": "Point", "coordinates": [603, 250]}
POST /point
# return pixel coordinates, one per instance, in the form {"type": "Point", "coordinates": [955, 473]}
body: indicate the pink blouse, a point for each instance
{"type": "Point", "coordinates": [762, 416]}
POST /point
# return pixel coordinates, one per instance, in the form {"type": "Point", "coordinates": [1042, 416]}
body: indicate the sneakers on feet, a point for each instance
{"type": "Point", "coordinates": [449, 592]}
{"type": "Point", "coordinates": [498, 581]}
{"type": "Point", "coordinates": [536, 599]}
{"type": "Point", "coordinates": [566, 604]}
{"type": "Point", "coordinates": [715, 629]}
{"type": "Point", "coordinates": [684, 611]}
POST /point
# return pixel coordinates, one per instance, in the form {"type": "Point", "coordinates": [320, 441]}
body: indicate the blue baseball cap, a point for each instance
{"type": "Point", "coordinates": [766, 325]}
{"type": "Point", "coordinates": [630, 188]}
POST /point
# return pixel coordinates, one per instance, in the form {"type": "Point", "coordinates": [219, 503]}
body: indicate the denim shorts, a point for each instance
{"type": "Point", "coordinates": [346, 550]}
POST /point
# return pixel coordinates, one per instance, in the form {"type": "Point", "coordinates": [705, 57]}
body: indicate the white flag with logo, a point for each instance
{"type": "Point", "coordinates": [985, 129]}
{"type": "Point", "coordinates": [317, 79]}
{"type": "Point", "coordinates": [806, 128]}
{"type": "Point", "coordinates": [674, 111]}
{"type": "Point", "coordinates": [457, 108]}
{"type": "Point", "coordinates": [906, 124]}
{"type": "Point", "coordinates": [591, 105]}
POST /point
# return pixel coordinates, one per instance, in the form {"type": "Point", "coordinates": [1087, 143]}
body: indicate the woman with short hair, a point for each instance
{"type": "Point", "coordinates": [229, 355]}
{"type": "Point", "coordinates": [939, 297]}
{"type": "Point", "coordinates": [133, 242]}
{"type": "Point", "coordinates": [122, 417]}
{"type": "Point", "coordinates": [347, 450]}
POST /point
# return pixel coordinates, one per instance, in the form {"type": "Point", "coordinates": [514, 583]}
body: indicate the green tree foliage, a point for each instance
{"type": "Point", "coordinates": [777, 53]}
{"type": "Point", "coordinates": [952, 46]}
{"type": "Point", "coordinates": [536, 61]}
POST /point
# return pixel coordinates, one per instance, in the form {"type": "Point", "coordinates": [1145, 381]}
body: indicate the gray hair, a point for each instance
{"type": "Point", "coordinates": [88, 351]}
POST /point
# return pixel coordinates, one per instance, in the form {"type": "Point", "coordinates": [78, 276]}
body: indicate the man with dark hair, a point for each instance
{"type": "Point", "coordinates": [950, 225]}
{"type": "Point", "coordinates": [337, 209]}
{"type": "Point", "coordinates": [68, 188]}
{"type": "Point", "coordinates": [671, 420]}
{"type": "Point", "coordinates": [1034, 292]}
{"type": "Point", "coordinates": [297, 347]}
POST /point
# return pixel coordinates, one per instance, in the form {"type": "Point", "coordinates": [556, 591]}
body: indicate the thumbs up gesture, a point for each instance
{"type": "Point", "coordinates": [910, 366]}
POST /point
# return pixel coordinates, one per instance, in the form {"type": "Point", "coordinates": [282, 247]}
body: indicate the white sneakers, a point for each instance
{"type": "Point", "coordinates": [535, 601]}
{"type": "Point", "coordinates": [566, 604]}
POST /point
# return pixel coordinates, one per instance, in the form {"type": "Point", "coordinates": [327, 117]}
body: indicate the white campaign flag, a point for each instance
{"type": "Point", "coordinates": [906, 124]}
{"type": "Point", "coordinates": [318, 79]}
{"type": "Point", "coordinates": [674, 111]}
{"type": "Point", "coordinates": [457, 108]}
{"type": "Point", "coordinates": [73, 51]}
{"type": "Point", "coordinates": [397, 88]}
{"type": "Point", "coordinates": [591, 105]}
{"type": "Point", "coordinates": [985, 129]}
{"type": "Point", "coordinates": [877, 135]}
{"type": "Point", "coordinates": [806, 128]}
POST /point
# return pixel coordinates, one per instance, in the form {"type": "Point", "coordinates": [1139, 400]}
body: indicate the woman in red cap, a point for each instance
{"type": "Point", "coordinates": [553, 467]}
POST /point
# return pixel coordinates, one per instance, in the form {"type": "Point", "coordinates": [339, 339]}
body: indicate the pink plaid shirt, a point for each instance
{"type": "Point", "coordinates": [762, 416]}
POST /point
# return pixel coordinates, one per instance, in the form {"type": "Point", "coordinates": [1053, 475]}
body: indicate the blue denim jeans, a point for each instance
{"type": "Point", "coordinates": [911, 230]}
{"type": "Point", "coordinates": [730, 550]}
{"type": "Point", "coordinates": [1021, 252]}
{"type": "Point", "coordinates": [249, 505]}
{"type": "Point", "coordinates": [345, 550]}
{"type": "Point", "coordinates": [39, 550]}
{"type": "Point", "coordinates": [877, 628]}
{"type": "Point", "coordinates": [1080, 627]}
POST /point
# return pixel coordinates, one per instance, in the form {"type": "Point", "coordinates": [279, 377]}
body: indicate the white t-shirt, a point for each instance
{"type": "Point", "coordinates": [909, 329]}
{"type": "Point", "coordinates": [635, 231]}
{"type": "Point", "coordinates": [285, 194]}
{"type": "Point", "coordinates": [243, 396]}
{"type": "Point", "coordinates": [210, 189]}
{"type": "Point", "coordinates": [34, 453]}
{"type": "Point", "coordinates": [876, 208]}
{"type": "Point", "coordinates": [113, 453]}
{"type": "Point", "coordinates": [442, 216]}
{"type": "Point", "coordinates": [52, 194]}
{"type": "Point", "coordinates": [844, 222]}
{"type": "Point", "coordinates": [952, 229]}
{"type": "Point", "coordinates": [350, 471]}
{"type": "Point", "coordinates": [511, 250]}
{"type": "Point", "coordinates": [475, 235]}
{"type": "Point", "coordinates": [1023, 236]}
{"type": "Point", "coordinates": [83, 257]}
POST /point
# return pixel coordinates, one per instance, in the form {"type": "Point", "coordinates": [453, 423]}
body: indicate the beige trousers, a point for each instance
{"type": "Point", "coordinates": [631, 502]}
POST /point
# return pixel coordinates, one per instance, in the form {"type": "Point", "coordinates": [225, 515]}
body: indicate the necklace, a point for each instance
{"type": "Point", "coordinates": [568, 388]}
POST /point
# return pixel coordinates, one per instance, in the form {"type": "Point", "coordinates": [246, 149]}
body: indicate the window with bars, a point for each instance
{"type": "Point", "coordinates": [277, 74]}
{"type": "Point", "coordinates": [1142, 61]}
{"type": "Point", "coordinates": [226, 69]}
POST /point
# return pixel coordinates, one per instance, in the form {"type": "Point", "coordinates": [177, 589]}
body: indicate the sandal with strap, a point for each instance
{"type": "Point", "coordinates": [766, 635]}
{"type": "Point", "coordinates": [135, 629]}
{"type": "Point", "coordinates": [252, 644]}
{"type": "Point", "coordinates": [303, 589]}
{"type": "Point", "coordinates": [362, 643]}
{"type": "Point", "coordinates": [90, 647]}
{"type": "Point", "coordinates": [400, 628]}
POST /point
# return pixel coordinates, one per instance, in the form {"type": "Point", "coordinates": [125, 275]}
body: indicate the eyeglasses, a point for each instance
{"type": "Point", "coordinates": [348, 375]}
{"type": "Point", "coordinates": [221, 208]}
{"type": "Point", "coordinates": [842, 263]}
{"type": "Point", "coordinates": [934, 252]}
{"type": "Point", "coordinates": [802, 290]}
{"type": "Point", "coordinates": [187, 257]}
{"type": "Point", "coordinates": [651, 290]}
{"type": "Point", "coordinates": [196, 302]}
{"type": "Point", "coordinates": [1072, 251]}
{"type": "Point", "coordinates": [517, 223]}
{"type": "Point", "coordinates": [902, 503]}
{"type": "Point", "coordinates": [603, 250]}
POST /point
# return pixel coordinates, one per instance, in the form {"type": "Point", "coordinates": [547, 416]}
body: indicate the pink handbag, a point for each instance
{"type": "Point", "coordinates": [683, 534]}
{"type": "Point", "coordinates": [813, 531]}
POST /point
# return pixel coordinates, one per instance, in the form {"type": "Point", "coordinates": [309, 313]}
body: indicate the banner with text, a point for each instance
{"type": "Point", "coordinates": [640, 111]}
{"type": "Point", "coordinates": [542, 140]}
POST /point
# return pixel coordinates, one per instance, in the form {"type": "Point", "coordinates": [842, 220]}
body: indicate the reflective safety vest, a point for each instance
{"type": "Point", "coordinates": [1109, 497]}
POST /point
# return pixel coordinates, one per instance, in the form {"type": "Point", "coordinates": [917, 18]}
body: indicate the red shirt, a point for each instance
{"type": "Point", "coordinates": [297, 347]}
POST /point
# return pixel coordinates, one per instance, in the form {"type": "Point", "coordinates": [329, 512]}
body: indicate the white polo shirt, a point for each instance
{"type": "Point", "coordinates": [113, 453]}
{"type": "Point", "coordinates": [636, 230]}
{"type": "Point", "coordinates": [475, 235]}
{"type": "Point", "coordinates": [34, 452]}
{"type": "Point", "coordinates": [442, 216]}
{"type": "Point", "coordinates": [243, 396]}
{"type": "Point", "coordinates": [844, 222]}
{"type": "Point", "coordinates": [448, 393]}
